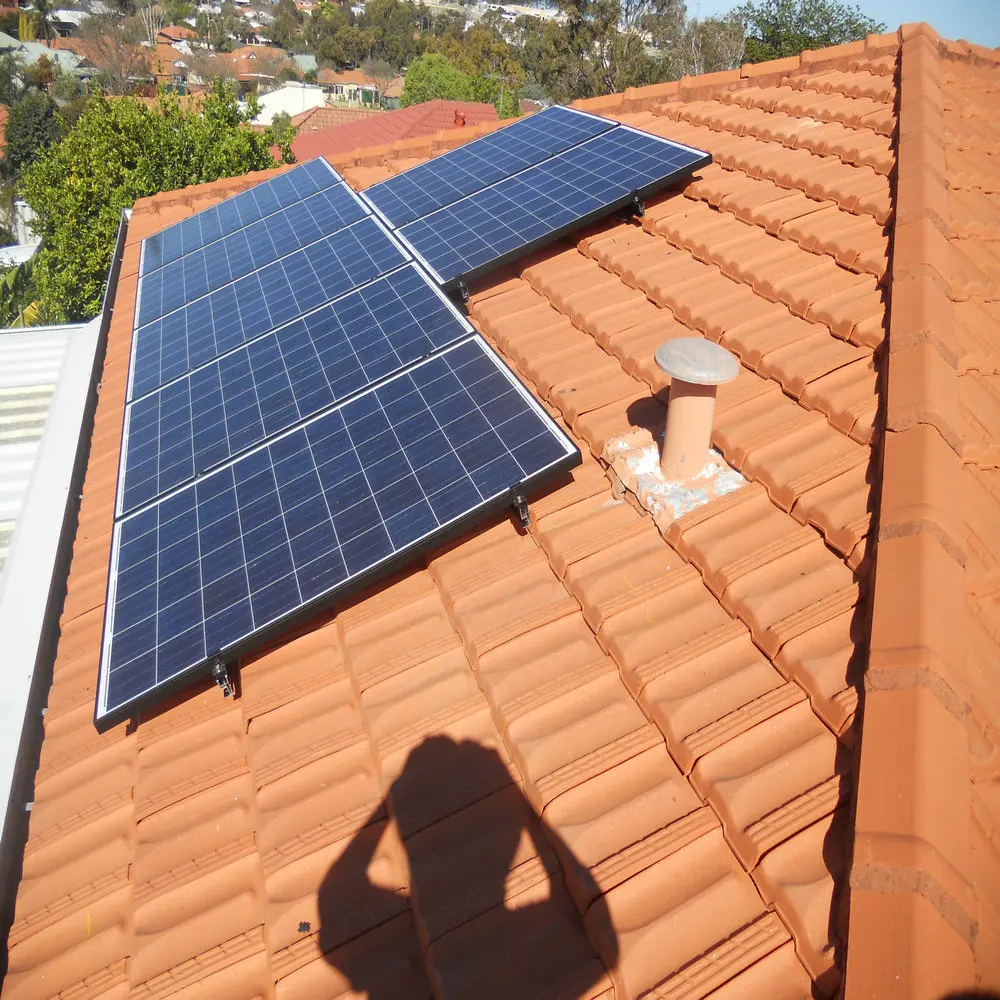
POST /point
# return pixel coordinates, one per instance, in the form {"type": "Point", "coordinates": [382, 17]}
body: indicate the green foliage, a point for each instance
{"type": "Point", "coordinates": [777, 28]}
{"type": "Point", "coordinates": [17, 295]}
{"type": "Point", "coordinates": [282, 127]}
{"type": "Point", "coordinates": [10, 83]}
{"type": "Point", "coordinates": [286, 25]}
{"type": "Point", "coordinates": [65, 87]}
{"type": "Point", "coordinates": [435, 76]}
{"type": "Point", "coordinates": [34, 124]}
{"type": "Point", "coordinates": [117, 152]}
{"type": "Point", "coordinates": [392, 31]}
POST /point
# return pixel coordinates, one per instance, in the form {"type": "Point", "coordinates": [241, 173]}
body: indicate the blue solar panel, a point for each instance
{"type": "Point", "coordinates": [201, 331]}
{"type": "Point", "coordinates": [236, 213]}
{"type": "Point", "coordinates": [230, 404]}
{"type": "Point", "coordinates": [567, 190]}
{"type": "Point", "coordinates": [226, 260]}
{"type": "Point", "coordinates": [320, 508]}
{"type": "Point", "coordinates": [476, 165]}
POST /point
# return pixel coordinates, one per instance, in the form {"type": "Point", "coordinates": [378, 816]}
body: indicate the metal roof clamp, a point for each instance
{"type": "Point", "coordinates": [521, 509]}
{"type": "Point", "coordinates": [222, 677]}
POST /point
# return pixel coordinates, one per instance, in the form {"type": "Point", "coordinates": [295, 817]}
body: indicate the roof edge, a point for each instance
{"type": "Point", "coordinates": [913, 911]}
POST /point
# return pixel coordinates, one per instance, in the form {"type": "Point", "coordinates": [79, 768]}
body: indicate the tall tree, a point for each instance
{"type": "Point", "coordinates": [777, 28]}
{"type": "Point", "coordinates": [43, 10]}
{"type": "Point", "coordinates": [33, 125]}
{"type": "Point", "coordinates": [380, 73]}
{"type": "Point", "coordinates": [113, 47]}
{"type": "Point", "coordinates": [152, 18]}
{"type": "Point", "coordinates": [117, 152]}
{"type": "Point", "coordinates": [435, 76]}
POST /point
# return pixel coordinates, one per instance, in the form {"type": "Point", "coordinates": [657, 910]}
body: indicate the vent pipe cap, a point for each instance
{"type": "Point", "coordinates": [698, 361]}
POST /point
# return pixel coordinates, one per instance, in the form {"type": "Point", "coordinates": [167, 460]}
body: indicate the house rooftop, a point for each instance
{"type": "Point", "coordinates": [749, 751]}
{"type": "Point", "coordinates": [386, 127]}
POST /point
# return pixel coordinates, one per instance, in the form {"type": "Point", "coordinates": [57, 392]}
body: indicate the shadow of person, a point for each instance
{"type": "Point", "coordinates": [489, 907]}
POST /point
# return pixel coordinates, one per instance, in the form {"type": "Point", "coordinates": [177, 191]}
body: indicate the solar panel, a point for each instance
{"type": "Point", "coordinates": [236, 213]}
{"type": "Point", "coordinates": [476, 165]}
{"type": "Point", "coordinates": [230, 258]}
{"type": "Point", "coordinates": [322, 507]}
{"type": "Point", "coordinates": [497, 223]}
{"type": "Point", "coordinates": [204, 418]}
{"type": "Point", "coordinates": [307, 410]}
{"type": "Point", "coordinates": [202, 330]}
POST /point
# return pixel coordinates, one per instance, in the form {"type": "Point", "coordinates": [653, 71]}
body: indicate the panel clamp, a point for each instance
{"type": "Point", "coordinates": [463, 290]}
{"type": "Point", "coordinates": [521, 509]}
{"type": "Point", "coordinates": [221, 676]}
{"type": "Point", "coordinates": [637, 206]}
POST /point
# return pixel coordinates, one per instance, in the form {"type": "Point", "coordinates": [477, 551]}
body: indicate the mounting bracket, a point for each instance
{"type": "Point", "coordinates": [521, 509]}
{"type": "Point", "coordinates": [222, 677]}
{"type": "Point", "coordinates": [637, 206]}
{"type": "Point", "coordinates": [463, 290]}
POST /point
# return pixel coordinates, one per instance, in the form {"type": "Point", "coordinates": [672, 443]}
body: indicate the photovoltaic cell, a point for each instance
{"type": "Point", "coordinates": [230, 404]}
{"type": "Point", "coordinates": [447, 178]}
{"type": "Point", "coordinates": [230, 258]}
{"type": "Point", "coordinates": [201, 331]}
{"type": "Point", "coordinates": [236, 213]}
{"type": "Point", "coordinates": [322, 507]}
{"type": "Point", "coordinates": [588, 180]}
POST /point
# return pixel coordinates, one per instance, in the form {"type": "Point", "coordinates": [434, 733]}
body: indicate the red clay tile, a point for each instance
{"type": "Point", "coordinates": [828, 663]}
{"type": "Point", "coordinates": [386, 959]}
{"type": "Point", "coordinates": [771, 781]}
{"type": "Point", "coordinates": [621, 821]}
{"type": "Point", "coordinates": [694, 914]}
{"type": "Point", "coordinates": [792, 594]}
{"type": "Point", "coordinates": [799, 878]}
{"type": "Point", "coordinates": [582, 733]}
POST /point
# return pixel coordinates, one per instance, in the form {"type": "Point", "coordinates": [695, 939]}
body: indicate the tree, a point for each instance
{"type": "Point", "coordinates": [113, 47]}
{"type": "Point", "coordinates": [282, 127]}
{"type": "Point", "coordinates": [777, 28]}
{"type": "Point", "coordinates": [117, 152]}
{"type": "Point", "coordinates": [380, 73]}
{"type": "Point", "coordinates": [286, 25]}
{"type": "Point", "coordinates": [34, 124]}
{"type": "Point", "coordinates": [435, 76]}
{"type": "Point", "coordinates": [10, 82]}
{"type": "Point", "coordinates": [43, 11]}
{"type": "Point", "coordinates": [152, 18]}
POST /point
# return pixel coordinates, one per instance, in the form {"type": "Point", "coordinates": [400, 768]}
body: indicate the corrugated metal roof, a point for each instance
{"type": "Point", "coordinates": [30, 363]}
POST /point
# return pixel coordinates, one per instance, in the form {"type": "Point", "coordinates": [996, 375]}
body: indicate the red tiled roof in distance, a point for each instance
{"type": "Point", "coordinates": [314, 119]}
{"type": "Point", "coordinates": [4, 115]}
{"type": "Point", "coordinates": [389, 127]}
{"type": "Point", "coordinates": [328, 76]}
{"type": "Point", "coordinates": [652, 724]}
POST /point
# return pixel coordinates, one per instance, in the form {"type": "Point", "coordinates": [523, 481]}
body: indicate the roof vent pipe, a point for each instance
{"type": "Point", "coordinates": [459, 118]}
{"type": "Point", "coordinates": [696, 367]}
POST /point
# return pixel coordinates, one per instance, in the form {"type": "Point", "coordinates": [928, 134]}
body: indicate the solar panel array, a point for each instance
{"type": "Point", "coordinates": [306, 409]}
{"type": "Point", "coordinates": [487, 202]}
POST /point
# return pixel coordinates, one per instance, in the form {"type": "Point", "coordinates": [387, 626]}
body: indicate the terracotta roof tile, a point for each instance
{"type": "Point", "coordinates": [335, 139]}
{"type": "Point", "coordinates": [652, 723]}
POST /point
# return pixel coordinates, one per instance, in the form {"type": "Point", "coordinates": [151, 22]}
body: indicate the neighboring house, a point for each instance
{"type": "Point", "coordinates": [169, 67]}
{"type": "Point", "coordinates": [747, 751]}
{"type": "Point", "coordinates": [58, 53]}
{"type": "Point", "coordinates": [178, 33]}
{"type": "Point", "coordinates": [292, 98]}
{"type": "Point", "coordinates": [353, 87]}
{"type": "Point", "coordinates": [256, 67]}
{"type": "Point", "coordinates": [386, 127]}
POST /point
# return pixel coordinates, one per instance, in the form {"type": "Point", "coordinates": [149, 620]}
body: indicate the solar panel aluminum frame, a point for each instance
{"type": "Point", "coordinates": [634, 200]}
{"type": "Point", "coordinates": [260, 638]}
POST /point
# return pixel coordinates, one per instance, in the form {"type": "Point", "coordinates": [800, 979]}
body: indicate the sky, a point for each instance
{"type": "Point", "coordinates": [976, 21]}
